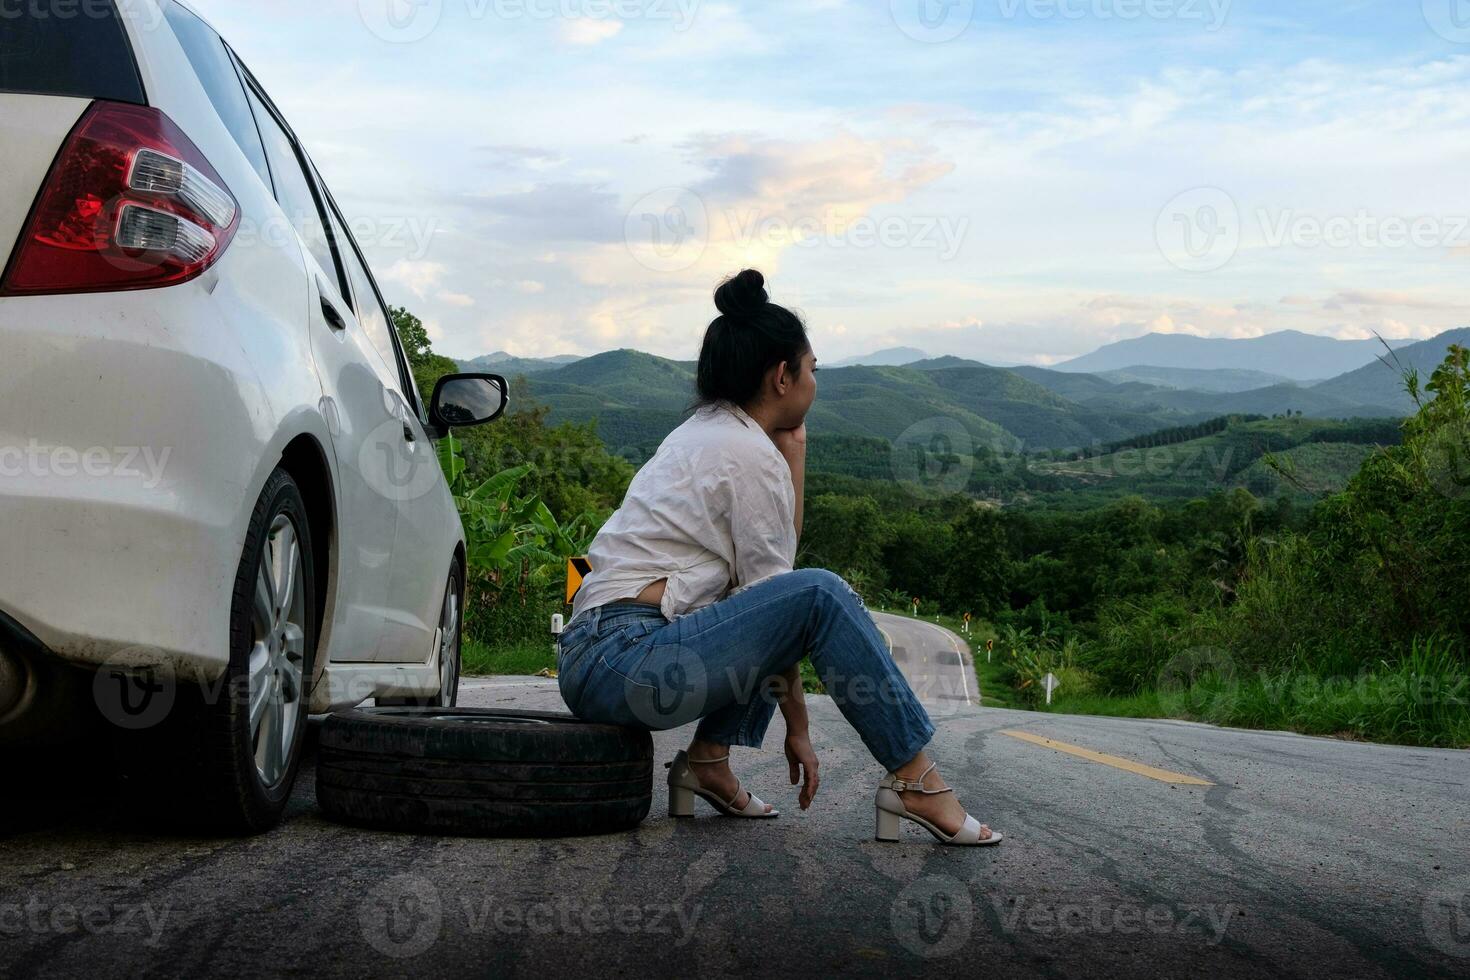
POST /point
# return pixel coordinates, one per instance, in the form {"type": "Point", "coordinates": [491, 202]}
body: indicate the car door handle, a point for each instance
{"type": "Point", "coordinates": [333, 316]}
{"type": "Point", "coordinates": [408, 435]}
{"type": "Point", "coordinates": [334, 319]}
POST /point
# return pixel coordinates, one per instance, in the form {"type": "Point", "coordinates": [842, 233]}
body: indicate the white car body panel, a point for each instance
{"type": "Point", "coordinates": [206, 384]}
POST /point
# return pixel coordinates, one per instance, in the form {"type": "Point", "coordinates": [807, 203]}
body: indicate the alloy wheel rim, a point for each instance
{"type": "Point", "coordinates": [278, 653]}
{"type": "Point", "coordinates": [449, 645]}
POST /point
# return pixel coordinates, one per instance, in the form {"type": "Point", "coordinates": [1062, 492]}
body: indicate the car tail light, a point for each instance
{"type": "Point", "coordinates": [130, 203]}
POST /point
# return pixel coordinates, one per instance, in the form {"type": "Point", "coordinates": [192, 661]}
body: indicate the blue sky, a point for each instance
{"type": "Point", "coordinates": [1008, 180]}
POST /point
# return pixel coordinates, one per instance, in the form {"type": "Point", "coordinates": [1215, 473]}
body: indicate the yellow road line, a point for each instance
{"type": "Point", "coordinates": [1162, 775]}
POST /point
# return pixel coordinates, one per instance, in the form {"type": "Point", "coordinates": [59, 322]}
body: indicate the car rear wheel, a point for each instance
{"type": "Point", "coordinates": [243, 736]}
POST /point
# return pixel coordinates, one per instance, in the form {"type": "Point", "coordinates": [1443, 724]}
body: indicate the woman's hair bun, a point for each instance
{"type": "Point", "coordinates": [742, 296]}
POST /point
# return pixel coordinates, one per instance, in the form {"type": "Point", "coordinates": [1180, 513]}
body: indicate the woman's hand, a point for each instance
{"type": "Point", "coordinates": [791, 442]}
{"type": "Point", "coordinates": [804, 766]}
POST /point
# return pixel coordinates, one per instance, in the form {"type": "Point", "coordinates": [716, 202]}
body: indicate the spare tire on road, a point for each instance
{"type": "Point", "coordinates": [483, 772]}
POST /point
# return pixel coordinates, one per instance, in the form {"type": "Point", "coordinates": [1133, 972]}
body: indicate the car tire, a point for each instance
{"type": "Point", "coordinates": [451, 626]}
{"type": "Point", "coordinates": [238, 771]}
{"type": "Point", "coordinates": [483, 773]}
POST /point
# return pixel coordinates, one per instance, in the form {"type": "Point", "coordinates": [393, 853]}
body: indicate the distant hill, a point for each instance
{"type": "Point", "coordinates": [1318, 457]}
{"type": "Point", "coordinates": [892, 357]}
{"type": "Point", "coordinates": [1174, 406]}
{"type": "Point", "coordinates": [1196, 379]}
{"type": "Point", "coordinates": [638, 398]}
{"type": "Point", "coordinates": [1383, 382]}
{"type": "Point", "coordinates": [1288, 354]}
{"type": "Point", "coordinates": [1279, 399]}
{"type": "Point", "coordinates": [509, 365]}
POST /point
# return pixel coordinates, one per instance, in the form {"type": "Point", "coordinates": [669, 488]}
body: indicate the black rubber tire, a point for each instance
{"type": "Point", "coordinates": [483, 773]}
{"type": "Point", "coordinates": [209, 731]}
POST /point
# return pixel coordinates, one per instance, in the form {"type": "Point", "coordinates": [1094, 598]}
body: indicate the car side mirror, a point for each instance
{"type": "Point", "coordinates": [463, 401]}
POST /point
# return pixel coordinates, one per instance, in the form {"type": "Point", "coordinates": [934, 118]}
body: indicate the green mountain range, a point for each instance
{"type": "Point", "coordinates": [637, 398]}
{"type": "Point", "coordinates": [1288, 353]}
{"type": "Point", "coordinates": [1382, 381]}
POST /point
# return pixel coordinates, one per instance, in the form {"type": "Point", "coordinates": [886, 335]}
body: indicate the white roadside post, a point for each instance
{"type": "Point", "coordinates": [558, 626]}
{"type": "Point", "coordinates": [1051, 683]}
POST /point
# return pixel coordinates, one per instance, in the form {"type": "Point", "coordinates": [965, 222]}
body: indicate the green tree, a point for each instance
{"type": "Point", "coordinates": [976, 579]}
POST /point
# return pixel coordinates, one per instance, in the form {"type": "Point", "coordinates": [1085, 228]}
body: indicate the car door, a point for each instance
{"type": "Point", "coordinates": [422, 545]}
{"type": "Point", "coordinates": [360, 406]}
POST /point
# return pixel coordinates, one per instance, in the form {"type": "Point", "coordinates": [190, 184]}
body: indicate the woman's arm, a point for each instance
{"type": "Point", "coordinates": [792, 445]}
{"type": "Point", "coordinates": [800, 755]}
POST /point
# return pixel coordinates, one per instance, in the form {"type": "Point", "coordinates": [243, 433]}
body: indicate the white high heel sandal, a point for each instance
{"type": "Point", "coordinates": [891, 810]}
{"type": "Point", "coordinates": [684, 787]}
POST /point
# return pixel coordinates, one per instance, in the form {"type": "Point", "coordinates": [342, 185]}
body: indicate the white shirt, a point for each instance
{"type": "Point", "coordinates": [714, 512]}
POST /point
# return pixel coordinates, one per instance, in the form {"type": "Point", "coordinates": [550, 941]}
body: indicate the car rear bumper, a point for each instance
{"type": "Point", "coordinates": [135, 434]}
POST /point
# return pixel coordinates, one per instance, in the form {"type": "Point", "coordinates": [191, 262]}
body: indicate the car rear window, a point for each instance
{"type": "Point", "coordinates": [77, 49]}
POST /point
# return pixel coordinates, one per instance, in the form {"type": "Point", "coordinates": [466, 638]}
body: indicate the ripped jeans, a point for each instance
{"type": "Point", "coordinates": [624, 664]}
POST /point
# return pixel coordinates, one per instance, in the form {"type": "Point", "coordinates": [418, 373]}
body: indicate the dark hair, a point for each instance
{"type": "Point", "coordinates": [750, 336]}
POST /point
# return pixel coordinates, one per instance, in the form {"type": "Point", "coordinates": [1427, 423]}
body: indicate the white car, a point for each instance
{"type": "Point", "coordinates": [221, 505]}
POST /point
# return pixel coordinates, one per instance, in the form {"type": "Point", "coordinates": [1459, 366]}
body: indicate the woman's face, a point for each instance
{"type": "Point", "coordinates": [801, 392]}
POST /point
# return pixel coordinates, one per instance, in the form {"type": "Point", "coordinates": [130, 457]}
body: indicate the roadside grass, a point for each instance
{"type": "Point", "coordinates": [1423, 699]}
{"type": "Point", "coordinates": [526, 658]}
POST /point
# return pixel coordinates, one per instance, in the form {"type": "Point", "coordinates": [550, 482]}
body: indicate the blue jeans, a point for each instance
{"type": "Point", "coordinates": [624, 664]}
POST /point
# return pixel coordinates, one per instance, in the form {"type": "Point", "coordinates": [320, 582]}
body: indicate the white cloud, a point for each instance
{"type": "Point", "coordinates": [589, 30]}
{"type": "Point", "coordinates": [527, 148]}
{"type": "Point", "coordinates": [419, 277]}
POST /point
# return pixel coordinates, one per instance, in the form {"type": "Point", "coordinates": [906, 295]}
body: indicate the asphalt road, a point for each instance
{"type": "Point", "coordinates": [1278, 855]}
{"type": "Point", "coordinates": [936, 662]}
